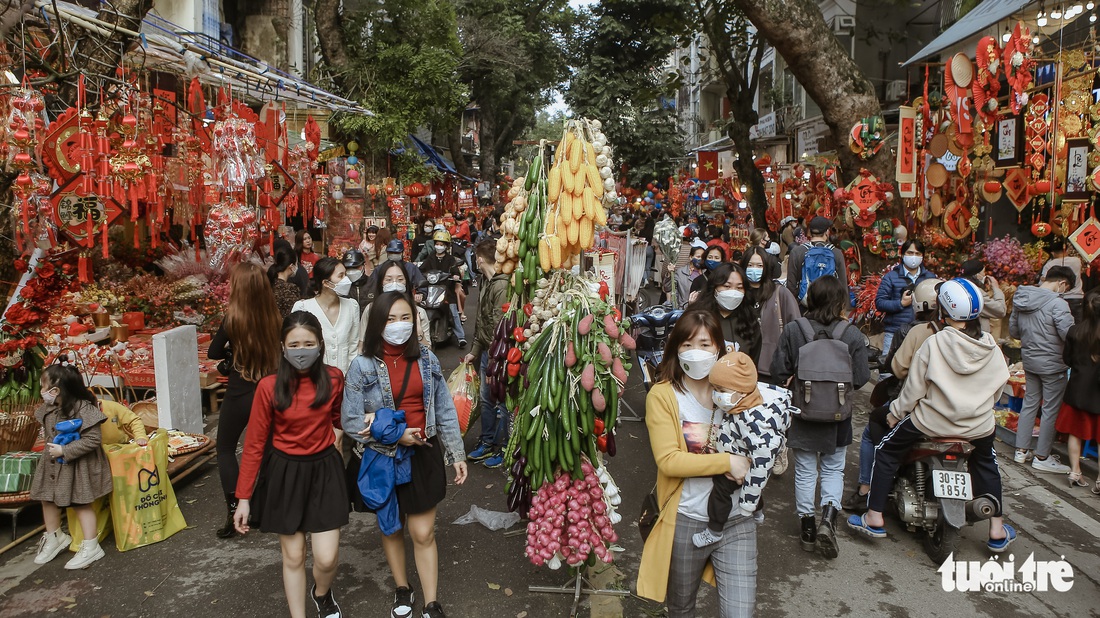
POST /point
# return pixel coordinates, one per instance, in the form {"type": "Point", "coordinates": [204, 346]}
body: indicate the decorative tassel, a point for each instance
{"type": "Point", "coordinates": [104, 241]}
{"type": "Point", "coordinates": [84, 270]}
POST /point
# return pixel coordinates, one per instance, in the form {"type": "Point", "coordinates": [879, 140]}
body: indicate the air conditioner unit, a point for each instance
{"type": "Point", "coordinates": [896, 90]}
{"type": "Point", "coordinates": [843, 24]}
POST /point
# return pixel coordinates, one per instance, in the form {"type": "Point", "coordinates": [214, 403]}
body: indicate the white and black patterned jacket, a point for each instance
{"type": "Point", "coordinates": [759, 433]}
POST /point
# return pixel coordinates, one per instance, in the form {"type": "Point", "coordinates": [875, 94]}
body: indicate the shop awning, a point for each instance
{"type": "Point", "coordinates": [163, 47]}
{"type": "Point", "coordinates": [433, 157]}
{"type": "Point", "coordinates": [986, 14]}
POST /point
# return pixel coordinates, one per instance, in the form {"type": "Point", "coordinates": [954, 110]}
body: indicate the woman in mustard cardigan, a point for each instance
{"type": "Point", "coordinates": [683, 423]}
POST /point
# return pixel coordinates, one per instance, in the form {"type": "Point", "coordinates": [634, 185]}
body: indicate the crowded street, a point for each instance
{"type": "Point", "coordinates": [486, 572]}
{"type": "Point", "coordinates": [576, 308]}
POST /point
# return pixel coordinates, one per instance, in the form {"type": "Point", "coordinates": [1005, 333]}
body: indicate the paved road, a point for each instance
{"type": "Point", "coordinates": [484, 573]}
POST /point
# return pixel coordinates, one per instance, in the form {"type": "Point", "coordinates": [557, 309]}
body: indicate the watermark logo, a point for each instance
{"type": "Point", "coordinates": [995, 575]}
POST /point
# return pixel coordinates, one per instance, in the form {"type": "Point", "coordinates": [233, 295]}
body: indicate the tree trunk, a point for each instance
{"type": "Point", "coordinates": [12, 13]}
{"type": "Point", "coordinates": [830, 76]}
{"type": "Point", "coordinates": [744, 117]}
{"type": "Point", "coordinates": [330, 36]}
{"type": "Point", "coordinates": [454, 142]}
{"type": "Point", "coordinates": [488, 157]}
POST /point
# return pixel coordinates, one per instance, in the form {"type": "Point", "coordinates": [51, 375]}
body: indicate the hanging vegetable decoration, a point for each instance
{"type": "Point", "coordinates": [580, 185]}
{"type": "Point", "coordinates": [567, 370]}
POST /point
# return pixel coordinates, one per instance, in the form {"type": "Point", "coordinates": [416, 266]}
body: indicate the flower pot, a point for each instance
{"type": "Point", "coordinates": [120, 333]}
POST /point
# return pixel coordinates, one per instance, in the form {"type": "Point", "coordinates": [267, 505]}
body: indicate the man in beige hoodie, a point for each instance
{"type": "Point", "coordinates": [953, 382]}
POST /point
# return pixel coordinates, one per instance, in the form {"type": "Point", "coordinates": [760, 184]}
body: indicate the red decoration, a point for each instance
{"type": "Point", "coordinates": [708, 166]}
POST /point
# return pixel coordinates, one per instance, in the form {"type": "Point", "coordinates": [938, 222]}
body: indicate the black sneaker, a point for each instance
{"type": "Point", "coordinates": [402, 603]}
{"type": "Point", "coordinates": [434, 610]}
{"type": "Point", "coordinates": [326, 605]}
{"type": "Point", "coordinates": [461, 343]}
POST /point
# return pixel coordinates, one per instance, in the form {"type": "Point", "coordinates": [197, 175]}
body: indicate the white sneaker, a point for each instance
{"type": "Point", "coordinates": [704, 538]}
{"type": "Point", "coordinates": [780, 463]}
{"type": "Point", "coordinates": [1021, 456]}
{"type": "Point", "coordinates": [1050, 464]}
{"type": "Point", "coordinates": [51, 544]}
{"type": "Point", "coordinates": [90, 551]}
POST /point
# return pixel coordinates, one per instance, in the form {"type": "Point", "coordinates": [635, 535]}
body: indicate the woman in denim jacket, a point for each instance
{"type": "Point", "coordinates": [395, 371]}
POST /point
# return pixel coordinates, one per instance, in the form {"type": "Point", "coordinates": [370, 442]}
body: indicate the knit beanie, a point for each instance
{"type": "Point", "coordinates": [736, 372]}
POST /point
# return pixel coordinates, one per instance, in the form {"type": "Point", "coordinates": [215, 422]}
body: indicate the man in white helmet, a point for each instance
{"type": "Point", "coordinates": [955, 377]}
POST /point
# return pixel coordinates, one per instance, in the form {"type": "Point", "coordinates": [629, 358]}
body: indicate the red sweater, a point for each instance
{"type": "Point", "coordinates": [298, 430]}
{"type": "Point", "coordinates": [413, 400]}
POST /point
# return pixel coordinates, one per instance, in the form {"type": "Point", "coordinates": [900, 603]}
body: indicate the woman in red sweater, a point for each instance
{"type": "Point", "coordinates": [291, 471]}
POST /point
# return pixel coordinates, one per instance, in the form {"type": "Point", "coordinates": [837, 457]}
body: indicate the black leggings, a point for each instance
{"type": "Point", "coordinates": [982, 464]}
{"type": "Point", "coordinates": [232, 420]}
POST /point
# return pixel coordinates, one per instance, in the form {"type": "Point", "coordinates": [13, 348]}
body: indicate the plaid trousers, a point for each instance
{"type": "Point", "coordinates": [734, 560]}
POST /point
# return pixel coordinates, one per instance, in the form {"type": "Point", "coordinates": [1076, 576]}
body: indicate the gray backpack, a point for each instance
{"type": "Point", "coordinates": [823, 383]}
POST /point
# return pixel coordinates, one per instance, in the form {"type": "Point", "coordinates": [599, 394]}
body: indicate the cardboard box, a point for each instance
{"type": "Point", "coordinates": [19, 462]}
{"type": "Point", "coordinates": [14, 483]}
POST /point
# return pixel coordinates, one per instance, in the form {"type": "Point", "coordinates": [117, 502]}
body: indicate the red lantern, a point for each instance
{"type": "Point", "coordinates": [416, 189]}
{"type": "Point", "coordinates": [1041, 229]}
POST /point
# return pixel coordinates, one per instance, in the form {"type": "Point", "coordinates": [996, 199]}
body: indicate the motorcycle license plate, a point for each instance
{"type": "Point", "coordinates": [951, 484]}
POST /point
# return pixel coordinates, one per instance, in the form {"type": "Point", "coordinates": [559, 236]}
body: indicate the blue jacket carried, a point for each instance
{"type": "Point", "coordinates": [381, 472]}
{"type": "Point", "coordinates": [888, 298]}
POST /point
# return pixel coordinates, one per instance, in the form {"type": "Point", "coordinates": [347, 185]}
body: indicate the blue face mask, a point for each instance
{"type": "Point", "coordinates": [754, 273]}
{"type": "Point", "coordinates": [697, 262]}
{"type": "Point", "coordinates": [712, 264]}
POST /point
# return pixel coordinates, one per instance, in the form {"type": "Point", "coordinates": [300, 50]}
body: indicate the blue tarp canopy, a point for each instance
{"type": "Point", "coordinates": [433, 156]}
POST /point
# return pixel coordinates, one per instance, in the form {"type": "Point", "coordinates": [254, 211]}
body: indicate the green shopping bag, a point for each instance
{"type": "Point", "coordinates": [143, 505]}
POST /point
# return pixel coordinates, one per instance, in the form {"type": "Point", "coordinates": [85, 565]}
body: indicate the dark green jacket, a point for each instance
{"type": "Point", "coordinates": [489, 313]}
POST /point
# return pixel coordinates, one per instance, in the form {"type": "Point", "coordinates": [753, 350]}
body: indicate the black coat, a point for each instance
{"type": "Point", "coordinates": [1084, 377]}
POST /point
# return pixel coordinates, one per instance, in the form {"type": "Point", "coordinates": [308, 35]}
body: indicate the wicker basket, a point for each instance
{"type": "Point", "coordinates": [18, 431]}
{"type": "Point", "coordinates": [148, 412]}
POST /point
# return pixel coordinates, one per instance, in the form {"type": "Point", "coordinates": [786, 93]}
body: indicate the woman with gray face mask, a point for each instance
{"type": "Point", "coordinates": [292, 476]}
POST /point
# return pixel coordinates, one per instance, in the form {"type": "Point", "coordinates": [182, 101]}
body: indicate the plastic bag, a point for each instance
{"type": "Point", "coordinates": [465, 389]}
{"type": "Point", "coordinates": [493, 520]}
{"type": "Point", "coordinates": [143, 505]}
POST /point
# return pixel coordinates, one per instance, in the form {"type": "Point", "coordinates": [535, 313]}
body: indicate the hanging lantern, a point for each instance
{"type": "Point", "coordinates": [1041, 229]}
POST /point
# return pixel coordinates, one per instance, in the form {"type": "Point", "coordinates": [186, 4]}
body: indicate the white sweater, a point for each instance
{"type": "Point", "coordinates": [341, 338]}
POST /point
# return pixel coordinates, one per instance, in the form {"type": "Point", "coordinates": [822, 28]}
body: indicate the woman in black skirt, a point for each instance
{"type": "Point", "coordinates": [247, 343]}
{"type": "Point", "coordinates": [396, 372]}
{"type": "Point", "coordinates": [292, 476]}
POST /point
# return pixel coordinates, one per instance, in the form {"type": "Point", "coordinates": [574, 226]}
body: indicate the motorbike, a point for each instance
{"type": "Point", "coordinates": [651, 328]}
{"type": "Point", "coordinates": [932, 493]}
{"type": "Point", "coordinates": [438, 284]}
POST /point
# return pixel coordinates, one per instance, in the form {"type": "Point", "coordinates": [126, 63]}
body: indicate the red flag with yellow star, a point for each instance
{"type": "Point", "coordinates": [708, 165]}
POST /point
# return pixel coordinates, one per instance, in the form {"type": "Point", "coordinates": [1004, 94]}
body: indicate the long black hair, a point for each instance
{"type": "Point", "coordinates": [1091, 323]}
{"type": "Point", "coordinates": [377, 318]}
{"type": "Point", "coordinates": [71, 388]}
{"type": "Point", "coordinates": [384, 268]}
{"type": "Point", "coordinates": [286, 378]}
{"type": "Point", "coordinates": [825, 300]}
{"type": "Point", "coordinates": [745, 320]}
{"type": "Point", "coordinates": [322, 271]}
{"type": "Point", "coordinates": [760, 295]}
{"type": "Point", "coordinates": [284, 259]}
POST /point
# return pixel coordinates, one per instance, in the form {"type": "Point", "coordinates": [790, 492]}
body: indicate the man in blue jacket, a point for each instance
{"type": "Point", "coordinates": [895, 292]}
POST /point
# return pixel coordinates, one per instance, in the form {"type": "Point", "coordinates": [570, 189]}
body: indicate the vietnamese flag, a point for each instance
{"type": "Point", "coordinates": [708, 165]}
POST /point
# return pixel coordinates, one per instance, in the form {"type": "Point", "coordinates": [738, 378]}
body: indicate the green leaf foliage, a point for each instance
{"type": "Point", "coordinates": [404, 58]}
{"type": "Point", "coordinates": [622, 79]}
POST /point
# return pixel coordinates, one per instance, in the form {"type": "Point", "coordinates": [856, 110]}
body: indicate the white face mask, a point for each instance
{"type": "Point", "coordinates": [428, 229]}
{"type": "Point", "coordinates": [730, 299]}
{"type": "Point", "coordinates": [697, 363]}
{"type": "Point", "coordinates": [395, 286]}
{"type": "Point", "coordinates": [394, 257]}
{"type": "Point", "coordinates": [355, 274]}
{"type": "Point", "coordinates": [440, 248]}
{"type": "Point", "coordinates": [912, 262]}
{"type": "Point", "coordinates": [49, 396]}
{"type": "Point", "coordinates": [397, 333]}
{"type": "Point", "coordinates": [724, 401]}
{"type": "Point", "coordinates": [342, 287]}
